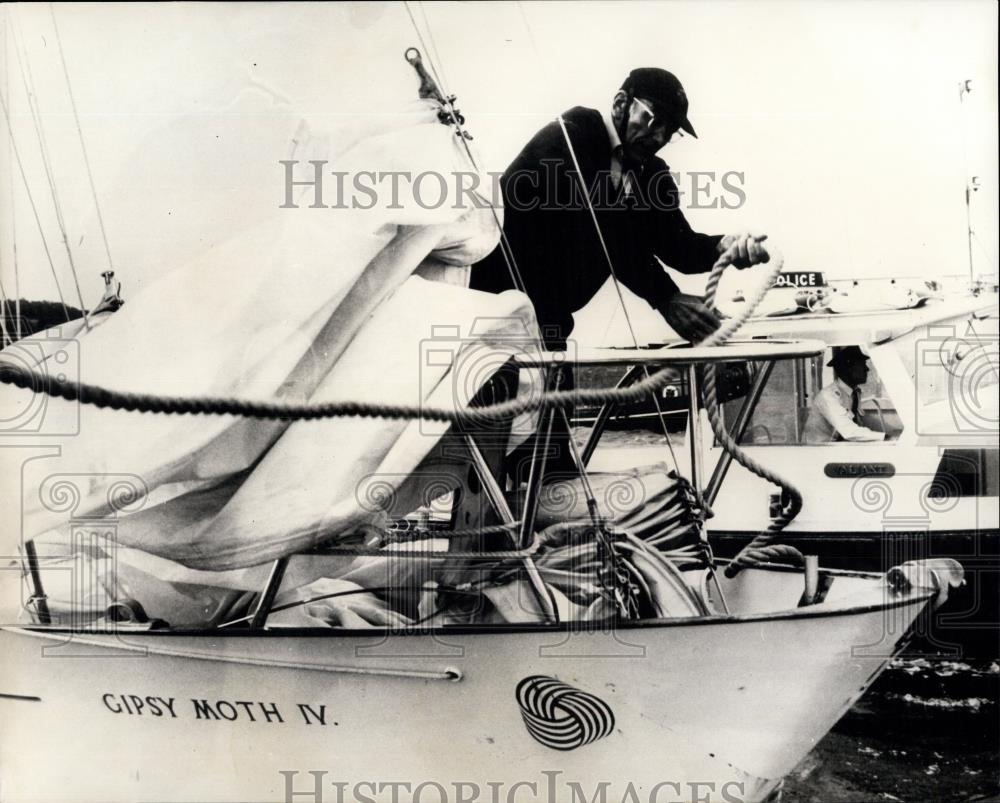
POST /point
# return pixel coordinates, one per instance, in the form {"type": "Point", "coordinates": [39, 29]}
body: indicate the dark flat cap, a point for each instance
{"type": "Point", "coordinates": [665, 92]}
{"type": "Point", "coordinates": [847, 355]}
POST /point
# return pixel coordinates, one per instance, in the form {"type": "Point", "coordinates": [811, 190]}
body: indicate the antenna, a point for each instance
{"type": "Point", "coordinates": [971, 185]}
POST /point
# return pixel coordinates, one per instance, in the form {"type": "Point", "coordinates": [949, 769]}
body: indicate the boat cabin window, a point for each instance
{"type": "Point", "coordinates": [805, 403]}
{"type": "Point", "coordinates": [966, 472]}
{"type": "Point", "coordinates": [630, 424]}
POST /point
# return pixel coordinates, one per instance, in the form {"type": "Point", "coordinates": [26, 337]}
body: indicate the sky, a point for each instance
{"type": "Point", "coordinates": [844, 119]}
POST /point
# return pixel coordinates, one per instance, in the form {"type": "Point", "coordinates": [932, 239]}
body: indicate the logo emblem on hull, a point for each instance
{"type": "Point", "coordinates": [560, 716]}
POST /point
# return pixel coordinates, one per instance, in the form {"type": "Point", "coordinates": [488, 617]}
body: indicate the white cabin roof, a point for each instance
{"type": "Point", "coordinates": [869, 328]}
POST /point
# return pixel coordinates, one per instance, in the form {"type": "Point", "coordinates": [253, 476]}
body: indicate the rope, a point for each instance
{"type": "Point", "coordinates": [10, 180]}
{"type": "Point", "coordinates": [445, 101]}
{"type": "Point", "coordinates": [711, 286]}
{"type": "Point", "coordinates": [436, 57]}
{"type": "Point", "coordinates": [36, 117]}
{"type": "Point", "coordinates": [560, 400]}
{"type": "Point", "coordinates": [750, 554]}
{"type": "Point", "coordinates": [83, 145]}
{"type": "Point", "coordinates": [3, 318]}
{"type": "Point", "coordinates": [516, 277]}
{"type": "Point", "coordinates": [604, 248]}
{"type": "Point", "coordinates": [13, 217]}
{"type": "Point", "coordinates": [106, 398]}
{"type": "Point", "coordinates": [597, 228]}
{"type": "Point", "coordinates": [755, 556]}
{"type": "Point", "coordinates": [31, 201]}
{"type": "Point", "coordinates": [17, 276]}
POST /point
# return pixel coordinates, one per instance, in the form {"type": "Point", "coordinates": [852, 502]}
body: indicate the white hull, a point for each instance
{"type": "Point", "coordinates": [711, 700]}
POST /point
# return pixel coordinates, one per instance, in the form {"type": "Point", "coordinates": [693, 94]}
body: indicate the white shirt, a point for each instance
{"type": "Point", "coordinates": [830, 415]}
{"type": "Point", "coordinates": [616, 154]}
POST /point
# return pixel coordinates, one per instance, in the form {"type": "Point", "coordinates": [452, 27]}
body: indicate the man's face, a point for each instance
{"type": "Point", "coordinates": [641, 126]}
{"type": "Point", "coordinates": [855, 373]}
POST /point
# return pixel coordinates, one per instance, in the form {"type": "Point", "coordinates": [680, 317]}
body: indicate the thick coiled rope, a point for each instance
{"type": "Point", "coordinates": [105, 398]}
{"type": "Point", "coordinates": [312, 411]}
{"type": "Point", "coordinates": [559, 400]}
{"type": "Point", "coordinates": [760, 549]}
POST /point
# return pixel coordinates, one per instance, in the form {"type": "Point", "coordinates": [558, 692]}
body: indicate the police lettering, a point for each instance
{"type": "Point", "coordinates": [799, 279]}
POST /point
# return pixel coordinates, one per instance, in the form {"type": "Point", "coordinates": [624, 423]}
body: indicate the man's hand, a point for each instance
{"type": "Point", "coordinates": [690, 318]}
{"type": "Point", "coordinates": [747, 248]}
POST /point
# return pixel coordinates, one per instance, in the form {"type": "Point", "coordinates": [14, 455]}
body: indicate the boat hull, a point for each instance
{"type": "Point", "coordinates": [728, 705]}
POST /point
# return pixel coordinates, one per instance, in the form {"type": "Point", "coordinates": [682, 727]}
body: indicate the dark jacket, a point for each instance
{"type": "Point", "coordinates": [552, 235]}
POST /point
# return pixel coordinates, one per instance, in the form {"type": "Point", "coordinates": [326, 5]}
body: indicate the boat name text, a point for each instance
{"type": "Point", "coordinates": [852, 470]}
{"type": "Point", "coordinates": [219, 710]}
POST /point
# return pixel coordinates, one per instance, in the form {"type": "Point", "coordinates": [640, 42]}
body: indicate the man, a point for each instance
{"type": "Point", "coordinates": [550, 230]}
{"type": "Point", "coordinates": [834, 415]}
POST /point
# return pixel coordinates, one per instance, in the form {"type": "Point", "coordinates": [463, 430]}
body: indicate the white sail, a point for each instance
{"type": "Point", "coordinates": [299, 307]}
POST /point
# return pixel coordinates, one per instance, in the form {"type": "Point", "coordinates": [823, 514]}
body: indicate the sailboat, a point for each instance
{"type": "Point", "coordinates": [221, 593]}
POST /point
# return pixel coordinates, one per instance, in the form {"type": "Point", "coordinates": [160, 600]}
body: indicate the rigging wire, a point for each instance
{"type": "Point", "coordinates": [511, 262]}
{"type": "Point", "coordinates": [544, 593]}
{"type": "Point", "coordinates": [34, 208]}
{"type": "Point", "coordinates": [83, 144]}
{"type": "Point", "coordinates": [516, 277]}
{"type": "Point", "coordinates": [13, 249]}
{"type": "Point", "coordinates": [4, 308]}
{"type": "Point", "coordinates": [36, 117]}
{"type": "Point", "coordinates": [505, 247]}
{"type": "Point", "coordinates": [10, 187]}
{"type": "Point", "coordinates": [3, 295]}
{"type": "Point", "coordinates": [423, 44]}
{"type": "Point", "coordinates": [434, 49]}
{"type": "Point", "coordinates": [600, 236]}
{"type": "Point", "coordinates": [448, 107]}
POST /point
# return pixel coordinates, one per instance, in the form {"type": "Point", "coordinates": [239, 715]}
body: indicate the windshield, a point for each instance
{"type": "Point", "coordinates": [804, 403]}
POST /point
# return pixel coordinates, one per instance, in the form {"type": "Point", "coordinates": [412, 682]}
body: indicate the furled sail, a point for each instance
{"type": "Point", "coordinates": [298, 308]}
